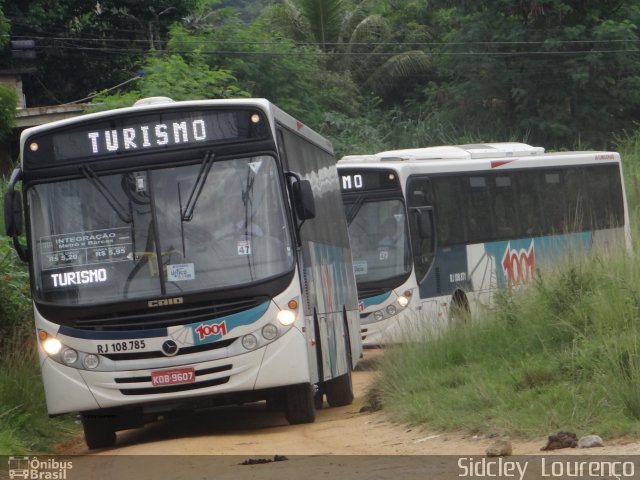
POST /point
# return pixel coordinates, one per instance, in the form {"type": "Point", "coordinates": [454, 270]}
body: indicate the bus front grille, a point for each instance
{"type": "Point", "coordinates": [166, 317]}
{"type": "Point", "coordinates": [174, 388]}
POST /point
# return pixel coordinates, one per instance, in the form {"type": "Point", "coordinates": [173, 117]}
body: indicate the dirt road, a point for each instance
{"type": "Point", "coordinates": [242, 442]}
{"type": "Point", "coordinates": [251, 430]}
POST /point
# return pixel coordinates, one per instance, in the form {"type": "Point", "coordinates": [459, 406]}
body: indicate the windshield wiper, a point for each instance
{"type": "Point", "coordinates": [113, 202]}
{"type": "Point", "coordinates": [207, 162]}
{"type": "Point", "coordinates": [352, 209]}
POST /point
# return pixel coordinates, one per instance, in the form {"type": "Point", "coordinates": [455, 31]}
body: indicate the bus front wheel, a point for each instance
{"type": "Point", "coordinates": [300, 404]}
{"type": "Point", "coordinates": [99, 430]}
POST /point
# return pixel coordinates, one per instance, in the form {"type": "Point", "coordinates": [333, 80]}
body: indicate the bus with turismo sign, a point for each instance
{"type": "Point", "coordinates": [436, 232]}
{"type": "Point", "coordinates": [185, 255]}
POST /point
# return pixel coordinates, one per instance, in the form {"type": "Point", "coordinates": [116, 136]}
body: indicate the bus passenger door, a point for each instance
{"type": "Point", "coordinates": [423, 246]}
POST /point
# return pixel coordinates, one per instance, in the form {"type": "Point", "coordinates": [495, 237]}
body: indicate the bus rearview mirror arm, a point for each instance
{"type": "Point", "coordinates": [13, 214]}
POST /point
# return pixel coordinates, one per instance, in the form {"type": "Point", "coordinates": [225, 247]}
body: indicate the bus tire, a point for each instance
{"type": "Point", "coordinates": [299, 404]}
{"type": "Point", "coordinates": [339, 390]}
{"type": "Point", "coordinates": [318, 398]}
{"type": "Point", "coordinates": [459, 310]}
{"type": "Point", "coordinates": [275, 401]}
{"type": "Point", "coordinates": [99, 431]}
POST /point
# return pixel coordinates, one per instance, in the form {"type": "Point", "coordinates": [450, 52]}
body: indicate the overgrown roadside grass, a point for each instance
{"type": "Point", "coordinates": [25, 427]}
{"type": "Point", "coordinates": [563, 354]}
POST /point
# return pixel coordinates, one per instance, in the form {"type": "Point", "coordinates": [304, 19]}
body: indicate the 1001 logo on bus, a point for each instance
{"type": "Point", "coordinates": [215, 330]}
{"type": "Point", "coordinates": [519, 266]}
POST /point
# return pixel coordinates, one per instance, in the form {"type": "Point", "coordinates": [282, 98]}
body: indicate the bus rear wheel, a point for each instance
{"type": "Point", "coordinates": [99, 430]}
{"type": "Point", "coordinates": [300, 404]}
{"type": "Point", "coordinates": [339, 390]}
{"type": "Point", "coordinates": [459, 311]}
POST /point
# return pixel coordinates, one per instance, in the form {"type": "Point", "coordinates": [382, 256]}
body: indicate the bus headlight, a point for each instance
{"type": "Point", "coordinates": [403, 301]}
{"type": "Point", "coordinates": [249, 342]}
{"type": "Point", "coordinates": [391, 309]}
{"type": "Point", "coordinates": [378, 315]}
{"type": "Point", "coordinates": [269, 331]}
{"type": "Point", "coordinates": [69, 356]}
{"type": "Point", "coordinates": [52, 346]}
{"type": "Point", "coordinates": [286, 317]}
{"type": "Point", "coordinates": [91, 361]}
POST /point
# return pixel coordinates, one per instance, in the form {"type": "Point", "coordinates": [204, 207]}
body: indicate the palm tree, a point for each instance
{"type": "Point", "coordinates": [356, 41]}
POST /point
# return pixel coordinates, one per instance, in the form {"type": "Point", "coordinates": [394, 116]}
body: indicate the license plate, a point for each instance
{"type": "Point", "coordinates": [173, 377]}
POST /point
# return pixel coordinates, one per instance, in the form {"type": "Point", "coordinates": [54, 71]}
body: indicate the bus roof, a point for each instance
{"type": "Point", "coordinates": [472, 157]}
{"type": "Point", "coordinates": [150, 104]}
{"type": "Point", "coordinates": [462, 152]}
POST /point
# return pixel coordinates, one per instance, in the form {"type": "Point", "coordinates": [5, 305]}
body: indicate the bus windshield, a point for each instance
{"type": "Point", "coordinates": [379, 239]}
{"type": "Point", "coordinates": [168, 231]}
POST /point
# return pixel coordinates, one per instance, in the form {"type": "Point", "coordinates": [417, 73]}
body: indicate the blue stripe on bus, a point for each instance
{"type": "Point", "coordinates": [102, 335]}
{"type": "Point", "coordinates": [367, 302]}
{"type": "Point", "coordinates": [213, 330]}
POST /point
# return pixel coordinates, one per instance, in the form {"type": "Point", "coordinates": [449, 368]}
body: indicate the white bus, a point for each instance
{"type": "Point", "coordinates": [185, 254]}
{"type": "Point", "coordinates": [438, 229]}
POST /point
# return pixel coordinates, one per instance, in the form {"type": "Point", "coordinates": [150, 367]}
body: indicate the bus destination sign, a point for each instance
{"type": "Point", "coordinates": [358, 180]}
{"type": "Point", "coordinates": [144, 133]}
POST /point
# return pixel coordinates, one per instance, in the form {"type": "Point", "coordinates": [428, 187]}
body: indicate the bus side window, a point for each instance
{"type": "Point", "coordinates": [576, 201]}
{"type": "Point", "coordinates": [615, 214]}
{"type": "Point", "coordinates": [478, 207]}
{"type": "Point", "coordinates": [603, 183]}
{"type": "Point", "coordinates": [531, 220]}
{"type": "Point", "coordinates": [449, 215]}
{"type": "Point", "coordinates": [553, 202]}
{"type": "Point", "coordinates": [504, 208]}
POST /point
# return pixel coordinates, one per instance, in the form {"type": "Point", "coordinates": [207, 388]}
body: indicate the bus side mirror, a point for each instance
{"type": "Point", "coordinates": [12, 213]}
{"type": "Point", "coordinates": [303, 200]}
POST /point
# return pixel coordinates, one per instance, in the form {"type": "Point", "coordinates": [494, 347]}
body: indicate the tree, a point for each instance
{"type": "Point", "coordinates": [267, 64]}
{"type": "Point", "coordinates": [355, 38]}
{"type": "Point", "coordinates": [8, 105]}
{"type": "Point", "coordinates": [5, 29]}
{"type": "Point", "coordinates": [554, 72]}
{"type": "Point", "coordinates": [175, 77]}
{"type": "Point", "coordinates": [87, 46]}
{"type": "Point", "coordinates": [8, 96]}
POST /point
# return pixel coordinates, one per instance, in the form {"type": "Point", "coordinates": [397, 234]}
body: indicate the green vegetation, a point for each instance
{"type": "Point", "coordinates": [24, 424]}
{"type": "Point", "coordinates": [8, 104]}
{"type": "Point", "coordinates": [551, 72]}
{"type": "Point", "coordinates": [563, 354]}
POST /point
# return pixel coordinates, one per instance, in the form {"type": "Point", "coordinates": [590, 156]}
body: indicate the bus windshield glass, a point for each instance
{"type": "Point", "coordinates": [379, 239]}
{"type": "Point", "coordinates": [203, 226]}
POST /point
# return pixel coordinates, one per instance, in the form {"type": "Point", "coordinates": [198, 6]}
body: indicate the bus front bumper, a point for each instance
{"type": "Point", "coordinates": [71, 390]}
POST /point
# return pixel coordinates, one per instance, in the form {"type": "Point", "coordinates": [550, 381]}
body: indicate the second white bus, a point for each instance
{"type": "Point", "coordinates": [437, 230]}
